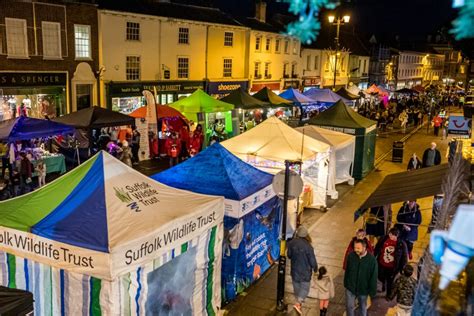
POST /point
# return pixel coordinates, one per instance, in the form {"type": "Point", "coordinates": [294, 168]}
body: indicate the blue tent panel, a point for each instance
{"type": "Point", "coordinates": [215, 171]}
{"type": "Point", "coordinates": [294, 95]}
{"type": "Point", "coordinates": [324, 96]}
{"type": "Point", "coordinates": [24, 128]}
{"type": "Point", "coordinates": [82, 211]}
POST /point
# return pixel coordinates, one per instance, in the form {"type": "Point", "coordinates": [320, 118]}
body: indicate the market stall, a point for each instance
{"type": "Point", "coordinates": [28, 129]}
{"type": "Point", "coordinates": [269, 144]}
{"type": "Point", "coordinates": [346, 94]}
{"type": "Point", "coordinates": [251, 210]}
{"type": "Point", "coordinates": [248, 106]}
{"type": "Point", "coordinates": [325, 97]}
{"type": "Point", "coordinates": [108, 240]}
{"type": "Point", "coordinates": [167, 119]}
{"type": "Point", "coordinates": [343, 119]}
{"type": "Point", "coordinates": [267, 95]}
{"type": "Point", "coordinates": [341, 159]}
{"type": "Point", "coordinates": [214, 115]}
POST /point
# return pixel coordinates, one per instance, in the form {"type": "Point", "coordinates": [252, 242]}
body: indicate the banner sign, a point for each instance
{"type": "Point", "coordinates": [459, 125]}
{"type": "Point", "coordinates": [251, 246]}
{"type": "Point", "coordinates": [239, 209]}
{"type": "Point", "coordinates": [29, 79]}
{"type": "Point", "coordinates": [220, 88]}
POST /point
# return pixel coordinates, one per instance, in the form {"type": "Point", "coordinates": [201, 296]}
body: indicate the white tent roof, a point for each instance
{"type": "Point", "coordinates": [333, 138]}
{"type": "Point", "coordinates": [274, 140]}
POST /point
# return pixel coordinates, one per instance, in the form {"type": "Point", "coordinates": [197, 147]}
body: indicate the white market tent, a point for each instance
{"type": "Point", "coordinates": [341, 158]}
{"type": "Point", "coordinates": [270, 143]}
{"type": "Point", "coordinates": [105, 239]}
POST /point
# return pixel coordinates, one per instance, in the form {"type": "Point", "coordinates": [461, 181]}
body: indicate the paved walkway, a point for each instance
{"type": "Point", "coordinates": [332, 231]}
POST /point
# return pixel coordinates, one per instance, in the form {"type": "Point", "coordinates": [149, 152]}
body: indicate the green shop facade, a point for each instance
{"type": "Point", "coordinates": [126, 97]}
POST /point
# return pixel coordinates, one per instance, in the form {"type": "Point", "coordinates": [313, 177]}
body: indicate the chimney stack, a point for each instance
{"type": "Point", "coordinates": [261, 11]}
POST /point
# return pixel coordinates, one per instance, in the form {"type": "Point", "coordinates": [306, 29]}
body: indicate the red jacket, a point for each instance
{"type": "Point", "coordinates": [195, 143]}
{"type": "Point", "coordinates": [350, 248]}
{"type": "Point", "coordinates": [173, 143]}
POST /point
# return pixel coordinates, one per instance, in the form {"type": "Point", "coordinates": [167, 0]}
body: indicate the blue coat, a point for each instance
{"type": "Point", "coordinates": [303, 260]}
{"type": "Point", "coordinates": [410, 217]}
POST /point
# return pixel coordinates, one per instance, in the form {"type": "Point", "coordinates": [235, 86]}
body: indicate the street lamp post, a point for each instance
{"type": "Point", "coordinates": [337, 21]}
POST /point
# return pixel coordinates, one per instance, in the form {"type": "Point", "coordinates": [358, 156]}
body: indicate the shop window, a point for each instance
{"type": "Point", "coordinates": [277, 45]}
{"type": "Point", "coordinates": [133, 31]}
{"type": "Point", "coordinates": [287, 46]}
{"type": "Point", "coordinates": [256, 72]}
{"type": "Point", "coordinates": [127, 105]}
{"type": "Point", "coordinates": [17, 39]}
{"type": "Point", "coordinates": [183, 67]}
{"type": "Point", "coordinates": [267, 73]}
{"type": "Point", "coordinates": [83, 96]}
{"type": "Point", "coordinates": [183, 35]}
{"type": "Point", "coordinates": [82, 39]}
{"type": "Point", "coordinates": [268, 44]}
{"type": "Point", "coordinates": [166, 98]}
{"type": "Point", "coordinates": [227, 67]}
{"type": "Point", "coordinates": [132, 68]}
{"type": "Point", "coordinates": [51, 32]}
{"type": "Point", "coordinates": [228, 39]}
{"type": "Point", "coordinates": [258, 43]}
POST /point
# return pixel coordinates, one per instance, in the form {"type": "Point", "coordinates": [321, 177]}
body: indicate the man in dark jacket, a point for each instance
{"type": "Point", "coordinates": [391, 253]}
{"type": "Point", "coordinates": [431, 156]}
{"type": "Point", "coordinates": [303, 263]}
{"type": "Point", "coordinates": [409, 218]}
{"type": "Point", "coordinates": [404, 289]}
{"type": "Point", "coordinates": [360, 278]}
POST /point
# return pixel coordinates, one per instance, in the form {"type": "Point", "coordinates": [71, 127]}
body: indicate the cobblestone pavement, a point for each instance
{"type": "Point", "coordinates": [331, 231]}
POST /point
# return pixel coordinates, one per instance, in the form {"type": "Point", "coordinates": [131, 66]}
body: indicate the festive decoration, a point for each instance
{"type": "Point", "coordinates": [307, 27]}
{"type": "Point", "coordinates": [464, 24]}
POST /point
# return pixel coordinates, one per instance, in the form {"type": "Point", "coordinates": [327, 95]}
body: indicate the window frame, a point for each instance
{"type": "Point", "coordinates": [287, 46]}
{"type": "Point", "coordinates": [268, 44]}
{"type": "Point", "coordinates": [278, 47]}
{"type": "Point", "coordinates": [25, 34]}
{"type": "Point", "coordinates": [183, 33]}
{"type": "Point", "coordinates": [58, 25]}
{"type": "Point", "coordinates": [267, 74]}
{"type": "Point", "coordinates": [316, 62]}
{"type": "Point", "coordinates": [139, 67]}
{"type": "Point", "coordinates": [224, 73]}
{"type": "Point", "coordinates": [178, 67]}
{"type": "Point", "coordinates": [89, 41]}
{"type": "Point", "coordinates": [295, 47]}
{"type": "Point", "coordinates": [127, 33]}
{"type": "Point", "coordinates": [258, 41]}
{"type": "Point", "coordinates": [257, 70]}
{"type": "Point", "coordinates": [308, 62]}
{"type": "Point", "coordinates": [231, 38]}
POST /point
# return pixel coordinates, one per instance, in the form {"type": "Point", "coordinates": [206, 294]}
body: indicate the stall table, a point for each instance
{"type": "Point", "coordinates": [53, 163]}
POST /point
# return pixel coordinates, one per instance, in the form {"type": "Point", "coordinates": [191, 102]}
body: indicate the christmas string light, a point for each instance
{"type": "Point", "coordinates": [307, 27]}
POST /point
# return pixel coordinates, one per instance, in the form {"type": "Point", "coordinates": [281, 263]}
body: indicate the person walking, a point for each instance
{"type": "Point", "coordinates": [392, 255]}
{"type": "Point", "coordinates": [323, 287]}
{"type": "Point", "coordinates": [404, 290]}
{"type": "Point", "coordinates": [409, 219]}
{"type": "Point", "coordinates": [431, 156]}
{"type": "Point", "coordinates": [303, 263]}
{"type": "Point", "coordinates": [184, 136]}
{"type": "Point", "coordinates": [136, 136]}
{"type": "Point", "coordinates": [437, 123]}
{"type": "Point", "coordinates": [414, 163]}
{"type": "Point", "coordinates": [360, 235]}
{"type": "Point", "coordinates": [360, 278]}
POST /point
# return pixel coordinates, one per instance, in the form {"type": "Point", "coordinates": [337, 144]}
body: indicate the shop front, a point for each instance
{"type": "Point", "coordinates": [219, 89]}
{"type": "Point", "coordinates": [126, 97]}
{"type": "Point", "coordinates": [287, 84]}
{"type": "Point", "coordinates": [328, 82]}
{"type": "Point", "coordinates": [273, 86]}
{"type": "Point", "coordinates": [32, 94]}
{"type": "Point", "coordinates": [311, 82]}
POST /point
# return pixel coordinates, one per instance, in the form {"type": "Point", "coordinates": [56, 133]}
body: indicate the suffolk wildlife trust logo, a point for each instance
{"type": "Point", "coordinates": [125, 198]}
{"type": "Point", "coordinates": [137, 195]}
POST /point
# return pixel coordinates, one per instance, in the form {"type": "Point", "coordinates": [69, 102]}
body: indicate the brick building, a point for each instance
{"type": "Point", "coordinates": [48, 57]}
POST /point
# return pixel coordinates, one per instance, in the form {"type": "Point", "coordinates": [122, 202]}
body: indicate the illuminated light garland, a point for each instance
{"type": "Point", "coordinates": [463, 25]}
{"type": "Point", "coordinates": [307, 27]}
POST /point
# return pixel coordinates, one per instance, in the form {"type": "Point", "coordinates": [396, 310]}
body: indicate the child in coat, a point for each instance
{"type": "Point", "coordinates": [324, 290]}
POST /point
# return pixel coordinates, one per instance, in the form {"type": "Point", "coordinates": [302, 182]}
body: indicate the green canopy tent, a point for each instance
{"type": "Point", "coordinates": [343, 92]}
{"type": "Point", "coordinates": [201, 107]}
{"type": "Point", "coordinates": [342, 118]}
{"type": "Point", "coordinates": [242, 100]}
{"type": "Point", "coordinates": [267, 95]}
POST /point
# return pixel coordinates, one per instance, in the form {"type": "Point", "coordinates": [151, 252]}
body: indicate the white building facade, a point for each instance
{"type": "Point", "coordinates": [321, 66]}
{"type": "Point", "coordinates": [409, 69]}
{"type": "Point", "coordinates": [171, 57]}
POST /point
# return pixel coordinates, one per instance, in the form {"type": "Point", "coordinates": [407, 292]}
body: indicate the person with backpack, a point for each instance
{"type": "Point", "coordinates": [323, 287]}
{"type": "Point", "coordinates": [404, 290]}
{"type": "Point", "coordinates": [303, 263]}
